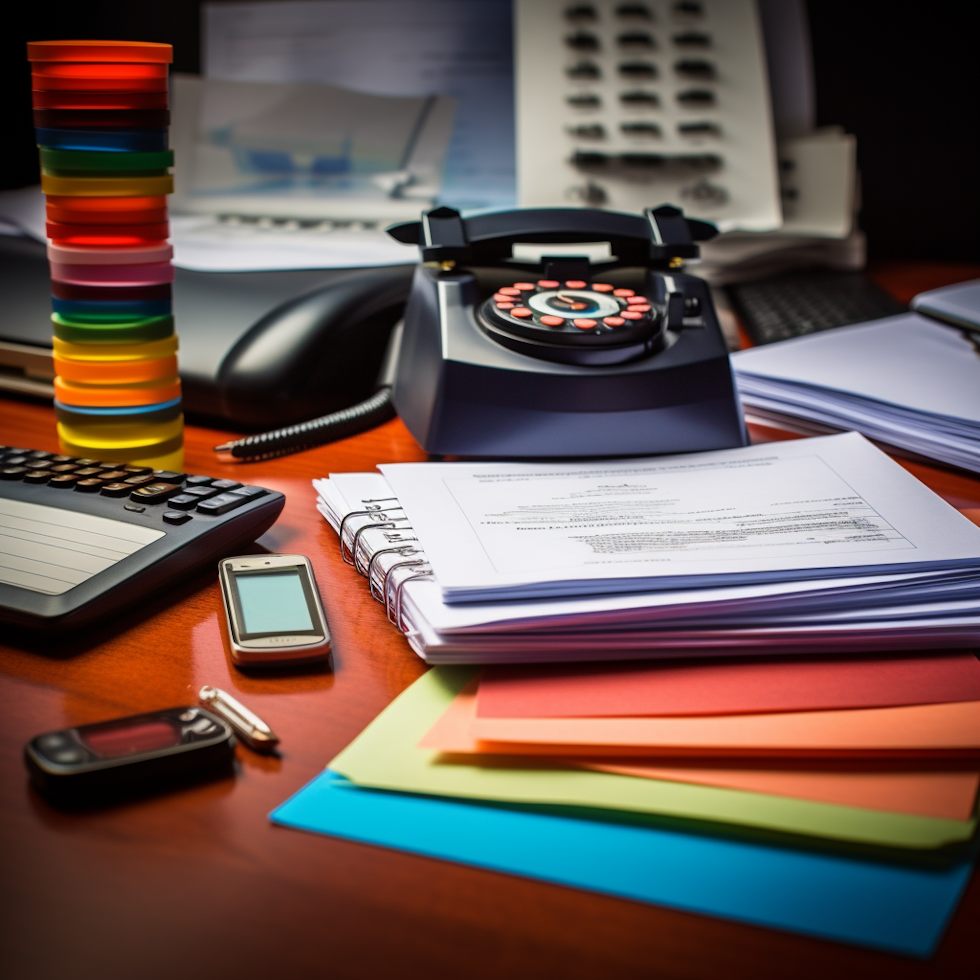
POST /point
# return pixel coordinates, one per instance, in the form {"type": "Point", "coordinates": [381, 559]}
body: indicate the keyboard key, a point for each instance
{"type": "Point", "coordinates": [117, 490]}
{"type": "Point", "coordinates": [137, 470]}
{"type": "Point", "coordinates": [184, 501]}
{"type": "Point", "coordinates": [221, 504]}
{"type": "Point", "coordinates": [40, 464]}
{"type": "Point", "coordinates": [225, 485]}
{"type": "Point", "coordinates": [12, 451]}
{"type": "Point", "coordinates": [250, 493]}
{"type": "Point", "coordinates": [87, 462]}
{"type": "Point", "coordinates": [154, 493]}
{"type": "Point", "coordinates": [88, 485]}
{"type": "Point", "coordinates": [138, 481]}
{"type": "Point", "coordinates": [88, 471]}
{"type": "Point", "coordinates": [113, 475]}
{"type": "Point", "coordinates": [63, 481]}
{"type": "Point", "coordinates": [135, 508]}
{"type": "Point", "coordinates": [37, 476]}
{"type": "Point", "coordinates": [198, 481]}
{"type": "Point", "coordinates": [16, 460]}
{"type": "Point", "coordinates": [201, 493]}
{"type": "Point", "coordinates": [40, 454]}
{"type": "Point", "coordinates": [60, 459]}
{"type": "Point", "coordinates": [176, 517]}
{"type": "Point", "coordinates": [167, 476]}
{"type": "Point", "coordinates": [12, 472]}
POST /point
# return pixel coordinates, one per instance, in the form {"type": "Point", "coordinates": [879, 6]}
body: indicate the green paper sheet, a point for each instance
{"type": "Point", "coordinates": [386, 756]}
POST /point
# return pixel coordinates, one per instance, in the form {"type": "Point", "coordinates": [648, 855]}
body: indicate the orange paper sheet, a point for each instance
{"type": "Point", "coordinates": [951, 795]}
{"type": "Point", "coordinates": [717, 688]}
{"type": "Point", "coordinates": [933, 730]}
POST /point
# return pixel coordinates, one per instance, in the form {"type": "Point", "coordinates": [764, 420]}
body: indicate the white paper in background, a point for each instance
{"type": "Point", "coordinates": [205, 243]}
{"type": "Point", "coordinates": [305, 150]}
{"type": "Point", "coordinates": [390, 47]}
{"type": "Point", "coordinates": [763, 513]}
{"type": "Point", "coordinates": [741, 193]}
{"type": "Point", "coordinates": [904, 360]}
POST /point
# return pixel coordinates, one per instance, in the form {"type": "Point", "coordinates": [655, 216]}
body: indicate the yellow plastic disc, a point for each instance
{"type": "Point", "coordinates": [115, 352]}
{"type": "Point", "coordinates": [107, 186]}
{"type": "Point", "coordinates": [167, 455]}
{"type": "Point", "coordinates": [122, 436]}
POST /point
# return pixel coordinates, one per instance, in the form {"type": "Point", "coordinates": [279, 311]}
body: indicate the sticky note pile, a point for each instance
{"type": "Point", "coordinates": [102, 123]}
{"type": "Point", "coordinates": [844, 790]}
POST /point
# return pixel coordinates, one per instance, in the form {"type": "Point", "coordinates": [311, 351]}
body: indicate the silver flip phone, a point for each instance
{"type": "Point", "coordinates": [273, 609]}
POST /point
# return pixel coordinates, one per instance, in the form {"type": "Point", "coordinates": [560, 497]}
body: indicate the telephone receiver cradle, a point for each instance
{"type": "Point", "coordinates": [562, 332]}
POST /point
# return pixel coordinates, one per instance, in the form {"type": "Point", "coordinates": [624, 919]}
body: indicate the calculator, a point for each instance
{"type": "Point", "coordinates": [81, 539]}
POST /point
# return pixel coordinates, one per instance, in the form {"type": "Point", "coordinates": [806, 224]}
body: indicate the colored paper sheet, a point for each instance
{"type": "Point", "coordinates": [385, 756]}
{"type": "Point", "coordinates": [951, 795]}
{"type": "Point", "coordinates": [920, 731]}
{"type": "Point", "coordinates": [739, 687]}
{"type": "Point", "coordinates": [895, 908]}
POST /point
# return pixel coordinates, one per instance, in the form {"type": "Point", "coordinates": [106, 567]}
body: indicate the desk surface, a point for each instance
{"type": "Point", "coordinates": [201, 880]}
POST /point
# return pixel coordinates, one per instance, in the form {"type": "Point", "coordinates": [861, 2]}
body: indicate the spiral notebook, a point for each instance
{"type": "Point", "coordinates": [916, 586]}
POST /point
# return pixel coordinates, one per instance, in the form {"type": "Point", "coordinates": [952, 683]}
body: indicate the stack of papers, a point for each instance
{"type": "Point", "coordinates": [906, 381]}
{"type": "Point", "coordinates": [842, 792]}
{"type": "Point", "coordinates": [798, 547]}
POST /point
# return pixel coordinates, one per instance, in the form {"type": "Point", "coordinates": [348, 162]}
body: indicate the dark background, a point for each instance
{"type": "Point", "coordinates": [904, 81]}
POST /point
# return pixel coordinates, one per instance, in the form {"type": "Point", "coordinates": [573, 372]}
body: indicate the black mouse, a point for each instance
{"type": "Point", "coordinates": [314, 354]}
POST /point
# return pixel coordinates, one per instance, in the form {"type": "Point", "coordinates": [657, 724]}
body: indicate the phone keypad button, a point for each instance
{"type": "Point", "coordinates": [176, 517]}
{"type": "Point", "coordinates": [183, 501]}
{"type": "Point", "coordinates": [221, 504]}
{"type": "Point", "coordinates": [116, 490]}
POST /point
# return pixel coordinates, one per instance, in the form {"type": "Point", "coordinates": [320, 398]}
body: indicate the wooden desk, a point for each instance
{"type": "Point", "coordinates": [200, 883]}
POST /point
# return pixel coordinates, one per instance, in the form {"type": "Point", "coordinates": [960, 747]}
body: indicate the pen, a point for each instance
{"type": "Point", "coordinates": [252, 730]}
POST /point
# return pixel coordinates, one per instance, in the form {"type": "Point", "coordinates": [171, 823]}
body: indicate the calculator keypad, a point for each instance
{"type": "Point", "coordinates": [186, 496]}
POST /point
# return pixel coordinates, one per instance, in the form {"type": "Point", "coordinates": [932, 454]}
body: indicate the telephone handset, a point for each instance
{"type": "Point", "coordinates": [548, 332]}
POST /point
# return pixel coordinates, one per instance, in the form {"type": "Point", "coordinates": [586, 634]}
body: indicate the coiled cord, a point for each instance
{"type": "Point", "coordinates": [328, 428]}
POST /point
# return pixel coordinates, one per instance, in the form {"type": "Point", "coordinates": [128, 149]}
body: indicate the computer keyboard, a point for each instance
{"type": "Point", "coordinates": [82, 539]}
{"type": "Point", "coordinates": [800, 303]}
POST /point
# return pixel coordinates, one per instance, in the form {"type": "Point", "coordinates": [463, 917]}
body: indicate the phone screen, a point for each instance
{"type": "Point", "coordinates": [274, 602]}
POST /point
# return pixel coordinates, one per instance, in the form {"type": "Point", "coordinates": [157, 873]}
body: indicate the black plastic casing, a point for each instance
{"type": "Point", "coordinates": [100, 780]}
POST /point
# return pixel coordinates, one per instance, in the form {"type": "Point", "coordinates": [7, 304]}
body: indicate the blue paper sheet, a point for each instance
{"type": "Point", "coordinates": [890, 907]}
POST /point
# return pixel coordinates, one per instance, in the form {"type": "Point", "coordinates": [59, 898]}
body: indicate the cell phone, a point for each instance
{"type": "Point", "coordinates": [144, 752]}
{"type": "Point", "coordinates": [274, 612]}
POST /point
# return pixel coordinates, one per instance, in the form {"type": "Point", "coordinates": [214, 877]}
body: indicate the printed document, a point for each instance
{"type": "Point", "coordinates": [810, 508]}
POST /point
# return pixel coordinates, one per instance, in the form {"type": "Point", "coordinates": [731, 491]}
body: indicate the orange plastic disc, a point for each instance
{"type": "Point", "coordinates": [116, 372]}
{"type": "Point", "coordinates": [138, 51]}
{"type": "Point", "coordinates": [147, 393]}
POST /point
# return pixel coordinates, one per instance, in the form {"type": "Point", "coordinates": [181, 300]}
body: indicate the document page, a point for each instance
{"type": "Point", "coordinates": [801, 509]}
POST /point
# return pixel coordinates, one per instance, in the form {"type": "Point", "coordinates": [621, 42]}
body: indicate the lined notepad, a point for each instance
{"type": "Point", "coordinates": [51, 550]}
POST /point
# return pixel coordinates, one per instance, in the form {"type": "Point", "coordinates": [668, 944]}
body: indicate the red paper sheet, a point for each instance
{"type": "Point", "coordinates": [718, 688]}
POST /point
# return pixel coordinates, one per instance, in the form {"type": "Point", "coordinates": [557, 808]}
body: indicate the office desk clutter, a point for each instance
{"type": "Point", "coordinates": [101, 117]}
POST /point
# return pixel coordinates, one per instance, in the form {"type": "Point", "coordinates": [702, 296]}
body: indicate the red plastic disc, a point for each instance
{"type": "Point", "coordinates": [99, 100]}
{"type": "Point", "coordinates": [130, 51]}
{"type": "Point", "coordinates": [107, 236]}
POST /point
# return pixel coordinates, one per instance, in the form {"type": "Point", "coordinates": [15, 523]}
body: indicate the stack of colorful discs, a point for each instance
{"type": "Point", "coordinates": [101, 116]}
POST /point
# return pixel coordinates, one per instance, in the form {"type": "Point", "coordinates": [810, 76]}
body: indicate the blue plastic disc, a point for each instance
{"type": "Point", "coordinates": [106, 140]}
{"type": "Point", "coordinates": [95, 312]}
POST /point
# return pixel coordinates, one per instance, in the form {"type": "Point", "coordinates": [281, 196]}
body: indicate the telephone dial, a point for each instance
{"type": "Point", "coordinates": [551, 332]}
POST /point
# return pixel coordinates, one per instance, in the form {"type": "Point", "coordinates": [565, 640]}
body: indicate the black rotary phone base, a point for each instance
{"type": "Point", "coordinates": [559, 362]}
